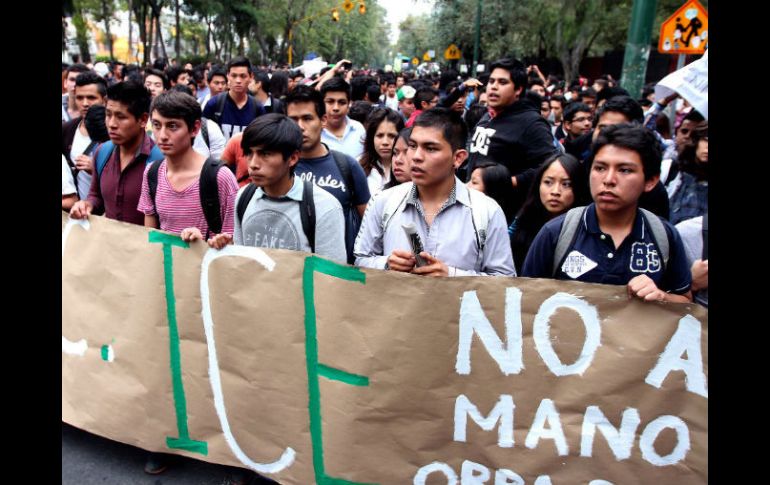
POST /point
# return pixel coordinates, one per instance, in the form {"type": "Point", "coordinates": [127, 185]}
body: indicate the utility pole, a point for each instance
{"type": "Point", "coordinates": [477, 37]}
{"type": "Point", "coordinates": [638, 47]}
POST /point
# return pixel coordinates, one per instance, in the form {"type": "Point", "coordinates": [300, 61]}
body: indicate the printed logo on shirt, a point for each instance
{"type": "Point", "coordinates": [645, 258]}
{"type": "Point", "coordinates": [270, 229]}
{"type": "Point", "coordinates": [327, 181]}
{"type": "Point", "coordinates": [577, 264]}
{"type": "Point", "coordinates": [230, 130]}
{"type": "Point", "coordinates": [481, 139]}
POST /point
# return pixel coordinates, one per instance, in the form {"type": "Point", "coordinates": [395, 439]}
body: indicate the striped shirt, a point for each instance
{"type": "Point", "coordinates": [178, 210]}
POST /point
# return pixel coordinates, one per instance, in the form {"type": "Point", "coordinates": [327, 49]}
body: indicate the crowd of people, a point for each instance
{"type": "Point", "coordinates": [513, 173]}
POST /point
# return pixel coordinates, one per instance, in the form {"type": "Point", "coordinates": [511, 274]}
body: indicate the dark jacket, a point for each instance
{"type": "Point", "coordinates": [518, 138]}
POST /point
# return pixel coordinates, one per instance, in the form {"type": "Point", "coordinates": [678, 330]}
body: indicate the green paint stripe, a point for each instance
{"type": "Point", "coordinates": [342, 376]}
{"type": "Point", "coordinates": [311, 358]}
{"type": "Point", "coordinates": [105, 352]}
{"type": "Point", "coordinates": [163, 238]}
{"type": "Point", "coordinates": [350, 273]}
{"type": "Point", "coordinates": [314, 369]}
{"type": "Point", "coordinates": [180, 402]}
{"type": "Point", "coordinates": [200, 447]}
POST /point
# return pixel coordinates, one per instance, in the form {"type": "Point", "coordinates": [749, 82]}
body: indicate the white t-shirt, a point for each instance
{"type": "Point", "coordinates": [216, 141]}
{"type": "Point", "coordinates": [67, 181]}
{"type": "Point", "coordinates": [79, 145]}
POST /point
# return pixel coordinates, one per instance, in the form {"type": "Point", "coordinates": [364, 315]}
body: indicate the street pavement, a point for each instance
{"type": "Point", "coordinates": [88, 459]}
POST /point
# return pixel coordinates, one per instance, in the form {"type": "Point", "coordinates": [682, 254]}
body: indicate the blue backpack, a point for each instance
{"type": "Point", "coordinates": [104, 152]}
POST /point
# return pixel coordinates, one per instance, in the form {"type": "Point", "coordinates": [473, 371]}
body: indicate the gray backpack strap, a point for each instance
{"type": "Point", "coordinates": [566, 236]}
{"type": "Point", "coordinates": [395, 202]}
{"type": "Point", "coordinates": [480, 216]}
{"type": "Point", "coordinates": [658, 233]}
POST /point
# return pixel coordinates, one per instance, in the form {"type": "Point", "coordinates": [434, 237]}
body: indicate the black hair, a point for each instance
{"type": "Point", "coordinates": [160, 74]}
{"type": "Point", "coordinates": [424, 95]}
{"type": "Point", "coordinates": [473, 115]}
{"type": "Point", "coordinates": [182, 89]}
{"type": "Point", "coordinates": [373, 121]}
{"type": "Point", "coordinates": [693, 116]}
{"type": "Point", "coordinates": [175, 104]}
{"type": "Point", "coordinates": [359, 86]}
{"type": "Point", "coordinates": [587, 93]}
{"type": "Point", "coordinates": [533, 215]}
{"type": "Point", "coordinates": [516, 68]}
{"type": "Point", "coordinates": [448, 76]}
{"type": "Point", "coordinates": [497, 185]}
{"type": "Point", "coordinates": [610, 92]}
{"type": "Point", "coordinates": [631, 137]}
{"type": "Point", "coordinates": [279, 84]}
{"type": "Point", "coordinates": [559, 99]}
{"type": "Point", "coordinates": [535, 81]}
{"type": "Point", "coordinates": [77, 68]}
{"type": "Point", "coordinates": [238, 62]}
{"type": "Point", "coordinates": [625, 105]}
{"type": "Point", "coordinates": [335, 85]}
{"type": "Point", "coordinates": [449, 122]}
{"type": "Point", "coordinates": [132, 72]}
{"type": "Point", "coordinates": [273, 131]}
{"type": "Point", "coordinates": [95, 123]}
{"type": "Point", "coordinates": [569, 111]}
{"type": "Point", "coordinates": [688, 162]}
{"type": "Point", "coordinates": [373, 94]}
{"type": "Point", "coordinates": [306, 94]}
{"type": "Point", "coordinates": [216, 70]}
{"type": "Point", "coordinates": [174, 72]}
{"type": "Point", "coordinates": [359, 110]}
{"type": "Point", "coordinates": [133, 94]}
{"type": "Point", "coordinates": [261, 77]}
{"type": "Point", "coordinates": [90, 77]}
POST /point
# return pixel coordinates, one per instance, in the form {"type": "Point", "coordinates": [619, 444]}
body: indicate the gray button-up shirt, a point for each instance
{"type": "Point", "coordinates": [451, 237]}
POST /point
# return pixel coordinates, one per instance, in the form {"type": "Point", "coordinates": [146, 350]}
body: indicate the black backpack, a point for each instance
{"type": "Point", "coordinates": [306, 209]}
{"type": "Point", "coordinates": [220, 107]}
{"type": "Point", "coordinates": [209, 192]}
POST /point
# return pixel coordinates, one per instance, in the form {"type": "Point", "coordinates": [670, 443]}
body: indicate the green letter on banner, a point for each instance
{"type": "Point", "coordinates": [180, 403]}
{"type": "Point", "coordinates": [314, 368]}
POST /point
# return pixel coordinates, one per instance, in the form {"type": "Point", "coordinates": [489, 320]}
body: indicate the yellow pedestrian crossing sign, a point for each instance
{"type": "Point", "coordinates": [348, 6]}
{"type": "Point", "coordinates": [426, 57]}
{"type": "Point", "coordinates": [415, 61]}
{"type": "Point", "coordinates": [452, 53]}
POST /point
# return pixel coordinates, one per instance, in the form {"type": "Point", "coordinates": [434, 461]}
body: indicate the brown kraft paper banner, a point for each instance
{"type": "Point", "coordinates": [312, 372]}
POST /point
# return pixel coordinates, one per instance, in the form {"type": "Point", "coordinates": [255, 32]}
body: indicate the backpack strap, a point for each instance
{"type": "Point", "coordinates": [209, 194]}
{"type": "Point", "coordinates": [205, 132]}
{"type": "Point", "coordinates": [243, 201]}
{"type": "Point", "coordinates": [480, 216]}
{"type": "Point", "coordinates": [219, 107]}
{"type": "Point", "coordinates": [307, 213]}
{"type": "Point", "coordinates": [103, 153]}
{"type": "Point", "coordinates": [567, 236]}
{"type": "Point", "coordinates": [658, 233]}
{"type": "Point", "coordinates": [705, 233]}
{"type": "Point", "coordinates": [152, 182]}
{"type": "Point", "coordinates": [90, 147]}
{"type": "Point", "coordinates": [395, 203]}
{"type": "Point", "coordinates": [347, 174]}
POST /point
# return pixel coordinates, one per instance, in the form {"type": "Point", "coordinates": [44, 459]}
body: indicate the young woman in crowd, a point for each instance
{"type": "Point", "coordinates": [559, 186]}
{"type": "Point", "coordinates": [401, 163]}
{"type": "Point", "coordinates": [382, 127]}
{"type": "Point", "coordinates": [494, 180]}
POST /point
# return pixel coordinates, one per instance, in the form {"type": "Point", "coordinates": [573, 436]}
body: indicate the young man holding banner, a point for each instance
{"type": "Point", "coordinates": [462, 231]}
{"type": "Point", "coordinates": [613, 241]}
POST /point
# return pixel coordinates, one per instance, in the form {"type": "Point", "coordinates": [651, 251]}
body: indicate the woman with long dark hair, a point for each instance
{"type": "Point", "coordinates": [494, 180]}
{"type": "Point", "coordinates": [400, 169]}
{"type": "Point", "coordinates": [382, 127]}
{"type": "Point", "coordinates": [559, 186]}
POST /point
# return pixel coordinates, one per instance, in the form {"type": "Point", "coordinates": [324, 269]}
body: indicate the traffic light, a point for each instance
{"type": "Point", "coordinates": [335, 15]}
{"type": "Point", "coordinates": [362, 8]}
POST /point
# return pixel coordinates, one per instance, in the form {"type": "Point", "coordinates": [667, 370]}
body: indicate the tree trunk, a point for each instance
{"type": "Point", "coordinates": [106, 14]}
{"type": "Point", "coordinates": [130, 34]}
{"type": "Point", "coordinates": [150, 44]}
{"type": "Point", "coordinates": [178, 45]}
{"type": "Point", "coordinates": [208, 37]}
{"type": "Point", "coordinates": [160, 37]}
{"type": "Point", "coordinates": [81, 33]}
